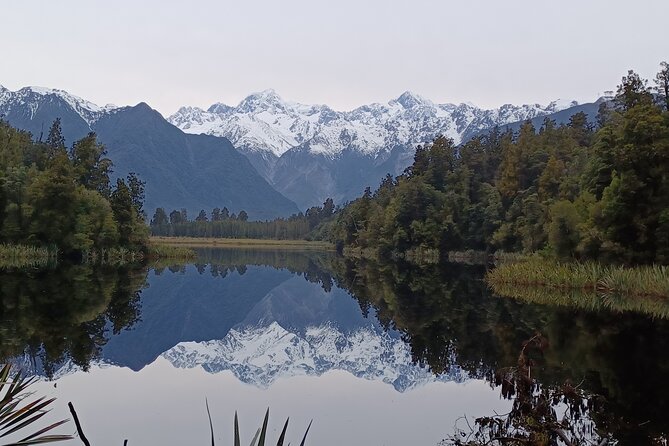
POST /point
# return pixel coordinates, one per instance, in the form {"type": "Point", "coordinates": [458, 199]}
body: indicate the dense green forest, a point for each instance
{"type": "Point", "coordinates": [581, 190]}
{"type": "Point", "coordinates": [51, 195]}
{"type": "Point", "coordinates": [221, 223]}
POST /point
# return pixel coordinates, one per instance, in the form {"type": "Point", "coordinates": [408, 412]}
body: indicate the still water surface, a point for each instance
{"type": "Point", "coordinates": [374, 354]}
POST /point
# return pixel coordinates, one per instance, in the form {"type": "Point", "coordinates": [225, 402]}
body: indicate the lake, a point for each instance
{"type": "Point", "coordinates": [374, 354]}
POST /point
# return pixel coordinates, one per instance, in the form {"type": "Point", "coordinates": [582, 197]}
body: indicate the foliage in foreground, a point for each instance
{"type": "Point", "coordinates": [17, 414]}
{"type": "Point", "coordinates": [534, 418]}
{"type": "Point", "coordinates": [260, 436]}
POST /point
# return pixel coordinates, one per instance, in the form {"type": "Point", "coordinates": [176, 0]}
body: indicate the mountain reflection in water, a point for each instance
{"type": "Point", "coordinates": [320, 326]}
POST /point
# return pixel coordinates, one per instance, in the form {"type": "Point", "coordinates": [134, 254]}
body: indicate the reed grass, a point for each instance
{"type": "Point", "coordinates": [172, 252]}
{"type": "Point", "coordinates": [26, 256]}
{"type": "Point", "coordinates": [117, 256]}
{"type": "Point", "coordinates": [588, 300]}
{"type": "Point", "coordinates": [604, 280]}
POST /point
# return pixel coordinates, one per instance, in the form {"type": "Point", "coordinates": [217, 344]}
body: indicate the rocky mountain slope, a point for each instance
{"type": "Point", "coordinates": [181, 170]}
{"type": "Point", "coordinates": [311, 152]}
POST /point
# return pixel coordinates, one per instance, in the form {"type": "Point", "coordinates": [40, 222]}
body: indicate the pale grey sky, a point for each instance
{"type": "Point", "coordinates": [343, 53]}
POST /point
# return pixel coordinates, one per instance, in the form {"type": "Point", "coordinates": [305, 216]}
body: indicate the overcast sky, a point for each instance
{"type": "Point", "coordinates": [342, 53]}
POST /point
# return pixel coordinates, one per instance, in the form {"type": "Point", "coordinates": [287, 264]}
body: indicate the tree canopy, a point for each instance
{"type": "Point", "coordinates": [50, 195]}
{"type": "Point", "coordinates": [572, 191]}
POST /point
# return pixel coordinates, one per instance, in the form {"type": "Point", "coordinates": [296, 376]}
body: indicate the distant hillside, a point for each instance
{"type": "Point", "coordinates": [181, 171]}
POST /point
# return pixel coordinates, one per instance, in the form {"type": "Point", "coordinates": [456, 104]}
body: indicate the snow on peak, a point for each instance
{"type": "Point", "coordinates": [34, 97]}
{"type": "Point", "coordinates": [410, 100]}
{"type": "Point", "coordinates": [261, 355]}
{"type": "Point", "coordinates": [264, 100]}
{"type": "Point", "coordinates": [219, 108]}
{"type": "Point", "coordinates": [264, 122]}
{"type": "Point", "coordinates": [561, 104]}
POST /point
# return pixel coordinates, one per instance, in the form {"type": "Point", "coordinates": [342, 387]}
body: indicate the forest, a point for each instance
{"type": "Point", "coordinates": [221, 223]}
{"type": "Point", "coordinates": [55, 196]}
{"type": "Point", "coordinates": [587, 191]}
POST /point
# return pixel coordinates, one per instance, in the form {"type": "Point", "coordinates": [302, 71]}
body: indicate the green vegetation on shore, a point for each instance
{"type": "Point", "coordinates": [159, 250]}
{"type": "Point", "coordinates": [220, 223]}
{"type": "Point", "coordinates": [240, 243]}
{"type": "Point", "coordinates": [645, 281]}
{"type": "Point", "coordinates": [52, 195]}
{"type": "Point", "coordinates": [586, 191]}
{"type": "Point", "coordinates": [591, 286]}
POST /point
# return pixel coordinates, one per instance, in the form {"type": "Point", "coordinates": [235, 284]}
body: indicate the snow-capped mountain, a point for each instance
{"type": "Point", "coordinates": [307, 153]}
{"type": "Point", "coordinates": [312, 152]}
{"type": "Point", "coordinates": [261, 355]}
{"type": "Point", "coordinates": [181, 170]}
{"type": "Point", "coordinates": [265, 122]}
{"type": "Point", "coordinates": [33, 97]}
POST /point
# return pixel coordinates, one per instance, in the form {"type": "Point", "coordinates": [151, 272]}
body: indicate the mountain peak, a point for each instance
{"type": "Point", "coordinates": [262, 101]}
{"type": "Point", "coordinates": [410, 100]}
{"type": "Point", "coordinates": [219, 108]}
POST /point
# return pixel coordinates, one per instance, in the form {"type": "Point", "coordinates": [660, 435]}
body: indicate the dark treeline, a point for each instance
{"type": "Point", "coordinates": [573, 191]}
{"type": "Point", "coordinates": [52, 195]}
{"type": "Point", "coordinates": [312, 265]}
{"type": "Point", "coordinates": [53, 316]}
{"type": "Point", "coordinates": [220, 223]}
{"type": "Point", "coordinates": [451, 319]}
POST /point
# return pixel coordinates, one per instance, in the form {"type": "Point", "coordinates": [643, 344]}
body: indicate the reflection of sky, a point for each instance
{"type": "Point", "coordinates": [197, 307]}
{"type": "Point", "coordinates": [263, 325]}
{"type": "Point", "coordinates": [346, 376]}
{"type": "Point", "coordinates": [163, 405]}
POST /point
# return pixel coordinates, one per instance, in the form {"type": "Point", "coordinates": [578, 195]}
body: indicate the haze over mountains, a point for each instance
{"type": "Point", "coordinates": [268, 156]}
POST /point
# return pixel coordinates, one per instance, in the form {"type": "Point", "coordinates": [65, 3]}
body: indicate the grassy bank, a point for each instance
{"type": "Point", "coordinates": [172, 252]}
{"type": "Point", "coordinates": [588, 300]}
{"type": "Point", "coordinates": [603, 280]}
{"type": "Point", "coordinates": [194, 242]}
{"type": "Point", "coordinates": [24, 256]}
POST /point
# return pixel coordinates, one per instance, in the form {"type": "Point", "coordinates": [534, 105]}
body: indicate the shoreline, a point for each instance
{"type": "Point", "coordinates": [202, 242]}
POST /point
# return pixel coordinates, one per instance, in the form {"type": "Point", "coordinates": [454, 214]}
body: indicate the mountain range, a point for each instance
{"type": "Point", "coordinates": [180, 170]}
{"type": "Point", "coordinates": [311, 152]}
{"type": "Point", "coordinates": [268, 156]}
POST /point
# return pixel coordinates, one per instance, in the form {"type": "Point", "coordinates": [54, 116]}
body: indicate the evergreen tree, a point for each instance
{"type": "Point", "coordinates": [632, 91]}
{"type": "Point", "coordinates": [202, 216]}
{"type": "Point", "coordinates": [175, 217]}
{"type": "Point", "coordinates": [216, 214]}
{"type": "Point", "coordinates": [90, 164]}
{"type": "Point", "coordinates": [55, 140]}
{"type": "Point", "coordinates": [662, 84]}
{"type": "Point", "coordinates": [136, 188]}
{"type": "Point", "coordinates": [159, 217]}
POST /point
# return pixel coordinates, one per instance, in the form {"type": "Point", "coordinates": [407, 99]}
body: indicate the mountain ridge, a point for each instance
{"type": "Point", "coordinates": [264, 121]}
{"type": "Point", "coordinates": [307, 153]}
{"type": "Point", "coordinates": [181, 170]}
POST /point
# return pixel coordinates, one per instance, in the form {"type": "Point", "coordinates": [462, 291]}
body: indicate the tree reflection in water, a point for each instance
{"type": "Point", "coordinates": [445, 312]}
